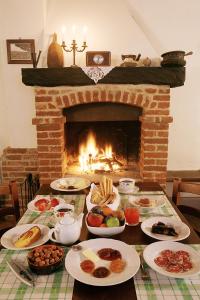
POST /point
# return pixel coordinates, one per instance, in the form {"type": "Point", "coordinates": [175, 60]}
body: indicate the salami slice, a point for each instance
{"type": "Point", "coordinates": [167, 253]}
{"type": "Point", "coordinates": [161, 261]}
{"type": "Point", "coordinates": [174, 261]}
{"type": "Point", "coordinates": [174, 268]}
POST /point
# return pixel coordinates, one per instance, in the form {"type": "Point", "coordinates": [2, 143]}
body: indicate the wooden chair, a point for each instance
{"type": "Point", "coordinates": [192, 214]}
{"type": "Point", "coordinates": [28, 189]}
{"type": "Point", "coordinates": [9, 215]}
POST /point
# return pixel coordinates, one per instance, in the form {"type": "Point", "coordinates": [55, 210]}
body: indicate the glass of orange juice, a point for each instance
{"type": "Point", "coordinates": [132, 215]}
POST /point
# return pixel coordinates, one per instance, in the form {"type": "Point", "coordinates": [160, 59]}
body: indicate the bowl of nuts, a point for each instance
{"type": "Point", "coordinates": [45, 259]}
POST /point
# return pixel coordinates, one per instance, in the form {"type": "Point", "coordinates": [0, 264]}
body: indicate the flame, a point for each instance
{"type": "Point", "coordinates": [92, 158]}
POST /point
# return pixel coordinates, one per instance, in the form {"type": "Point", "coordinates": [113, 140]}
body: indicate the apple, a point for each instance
{"type": "Point", "coordinates": [112, 222]}
{"type": "Point", "coordinates": [94, 220]}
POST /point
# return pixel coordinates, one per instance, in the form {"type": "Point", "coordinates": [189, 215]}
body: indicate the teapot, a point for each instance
{"type": "Point", "coordinates": [67, 230]}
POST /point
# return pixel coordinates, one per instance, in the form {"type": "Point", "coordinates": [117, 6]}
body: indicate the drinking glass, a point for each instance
{"type": "Point", "coordinates": [132, 215]}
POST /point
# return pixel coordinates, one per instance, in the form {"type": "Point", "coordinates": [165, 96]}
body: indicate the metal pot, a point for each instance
{"type": "Point", "coordinates": [174, 58]}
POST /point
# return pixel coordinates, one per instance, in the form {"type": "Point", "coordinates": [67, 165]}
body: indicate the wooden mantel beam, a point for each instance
{"type": "Point", "coordinates": [49, 77]}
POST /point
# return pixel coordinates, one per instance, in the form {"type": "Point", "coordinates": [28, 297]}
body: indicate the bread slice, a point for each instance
{"type": "Point", "coordinates": [28, 237]}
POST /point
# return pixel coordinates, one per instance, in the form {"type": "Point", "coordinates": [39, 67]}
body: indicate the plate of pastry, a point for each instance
{"type": "Point", "coordinates": [25, 236]}
{"type": "Point", "coordinates": [165, 228]}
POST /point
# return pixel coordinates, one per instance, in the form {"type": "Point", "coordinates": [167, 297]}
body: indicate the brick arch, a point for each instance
{"type": "Point", "coordinates": [49, 121]}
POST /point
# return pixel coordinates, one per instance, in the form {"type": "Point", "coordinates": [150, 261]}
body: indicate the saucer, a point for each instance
{"type": "Point", "coordinates": [129, 191]}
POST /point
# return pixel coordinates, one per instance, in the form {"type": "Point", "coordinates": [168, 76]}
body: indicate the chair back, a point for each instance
{"type": "Point", "coordinates": [28, 189]}
{"type": "Point", "coordinates": [188, 207]}
{"type": "Point", "coordinates": [180, 186]}
{"type": "Point", "coordinates": [10, 190]}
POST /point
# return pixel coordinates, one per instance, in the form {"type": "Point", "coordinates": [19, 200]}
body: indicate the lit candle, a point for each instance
{"type": "Point", "coordinates": [85, 30]}
{"type": "Point", "coordinates": [74, 32]}
{"type": "Point", "coordinates": [63, 31]}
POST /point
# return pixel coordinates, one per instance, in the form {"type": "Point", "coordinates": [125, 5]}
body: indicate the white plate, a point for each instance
{"type": "Point", "coordinates": [113, 206]}
{"type": "Point", "coordinates": [31, 205]}
{"type": "Point", "coordinates": [153, 250]}
{"type": "Point", "coordinates": [159, 201]}
{"type": "Point", "coordinates": [10, 236]}
{"type": "Point", "coordinates": [132, 191]}
{"type": "Point", "coordinates": [181, 228]}
{"type": "Point", "coordinates": [62, 184]}
{"type": "Point", "coordinates": [129, 254]}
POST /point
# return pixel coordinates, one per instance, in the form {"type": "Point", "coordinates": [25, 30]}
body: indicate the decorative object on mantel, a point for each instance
{"type": "Point", "coordinates": [97, 73]}
{"type": "Point", "coordinates": [35, 58]}
{"type": "Point", "coordinates": [76, 77]}
{"type": "Point", "coordinates": [19, 51]}
{"type": "Point", "coordinates": [174, 58]}
{"type": "Point", "coordinates": [74, 49]}
{"type": "Point", "coordinates": [130, 60]}
{"type": "Point", "coordinates": [146, 62]}
{"type": "Point", "coordinates": [55, 57]}
{"type": "Point", "coordinates": [98, 58]}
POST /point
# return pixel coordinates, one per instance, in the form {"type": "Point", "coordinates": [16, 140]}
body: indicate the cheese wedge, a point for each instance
{"type": "Point", "coordinates": [88, 253]}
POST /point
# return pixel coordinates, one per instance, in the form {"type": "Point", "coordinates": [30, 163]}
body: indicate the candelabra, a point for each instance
{"type": "Point", "coordinates": [73, 49]}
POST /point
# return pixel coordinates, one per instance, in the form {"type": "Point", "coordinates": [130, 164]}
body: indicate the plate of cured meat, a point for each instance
{"type": "Point", "coordinates": [165, 228]}
{"type": "Point", "coordinates": [102, 262]}
{"type": "Point", "coordinates": [172, 259]}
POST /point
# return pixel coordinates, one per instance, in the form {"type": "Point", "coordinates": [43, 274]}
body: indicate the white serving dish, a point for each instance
{"type": "Point", "coordinates": [181, 228]}
{"type": "Point", "coordinates": [63, 184]}
{"type": "Point", "coordinates": [105, 231]}
{"type": "Point", "coordinates": [129, 254]}
{"type": "Point", "coordinates": [9, 237]}
{"type": "Point", "coordinates": [153, 250]}
{"type": "Point", "coordinates": [113, 206]}
{"type": "Point", "coordinates": [157, 202]}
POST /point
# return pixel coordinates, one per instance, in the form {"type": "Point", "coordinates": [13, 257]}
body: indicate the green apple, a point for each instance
{"type": "Point", "coordinates": [112, 222]}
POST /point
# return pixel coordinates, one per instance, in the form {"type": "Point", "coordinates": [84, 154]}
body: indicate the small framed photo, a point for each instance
{"type": "Point", "coordinates": [98, 58]}
{"type": "Point", "coordinates": [20, 51]}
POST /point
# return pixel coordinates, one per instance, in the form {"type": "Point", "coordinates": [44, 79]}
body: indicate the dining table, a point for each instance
{"type": "Point", "coordinates": [62, 286]}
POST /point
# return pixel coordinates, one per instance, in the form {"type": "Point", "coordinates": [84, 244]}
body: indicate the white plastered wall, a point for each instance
{"type": "Point", "coordinates": [119, 26]}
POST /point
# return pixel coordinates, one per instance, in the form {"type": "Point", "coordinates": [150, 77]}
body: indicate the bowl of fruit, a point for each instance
{"type": "Point", "coordinates": [103, 221]}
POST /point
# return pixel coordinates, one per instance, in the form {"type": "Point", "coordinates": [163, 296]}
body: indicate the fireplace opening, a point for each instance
{"type": "Point", "coordinates": [102, 138]}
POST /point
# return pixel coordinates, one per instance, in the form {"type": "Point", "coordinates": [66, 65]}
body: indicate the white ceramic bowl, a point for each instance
{"type": "Point", "coordinates": [113, 206]}
{"type": "Point", "coordinates": [105, 231]}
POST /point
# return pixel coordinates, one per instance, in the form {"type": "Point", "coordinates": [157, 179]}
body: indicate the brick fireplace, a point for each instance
{"type": "Point", "coordinates": [154, 101]}
{"type": "Point", "coordinates": [59, 89]}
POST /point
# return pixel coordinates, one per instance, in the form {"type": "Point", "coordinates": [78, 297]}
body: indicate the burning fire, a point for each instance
{"type": "Point", "coordinates": [92, 158]}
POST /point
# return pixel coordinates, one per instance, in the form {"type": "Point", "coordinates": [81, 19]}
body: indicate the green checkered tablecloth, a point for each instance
{"type": "Point", "coordinates": [58, 285]}
{"type": "Point", "coordinates": [165, 210]}
{"type": "Point", "coordinates": [160, 287]}
{"type": "Point", "coordinates": [47, 218]}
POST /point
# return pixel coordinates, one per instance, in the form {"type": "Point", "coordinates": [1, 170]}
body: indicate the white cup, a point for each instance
{"type": "Point", "coordinates": [62, 209]}
{"type": "Point", "coordinates": [126, 184]}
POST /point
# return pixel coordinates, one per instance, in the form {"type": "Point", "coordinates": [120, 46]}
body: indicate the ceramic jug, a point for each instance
{"type": "Point", "coordinates": [67, 230]}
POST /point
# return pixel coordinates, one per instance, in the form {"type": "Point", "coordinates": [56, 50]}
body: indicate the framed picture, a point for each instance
{"type": "Point", "coordinates": [20, 51]}
{"type": "Point", "coordinates": [98, 58]}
